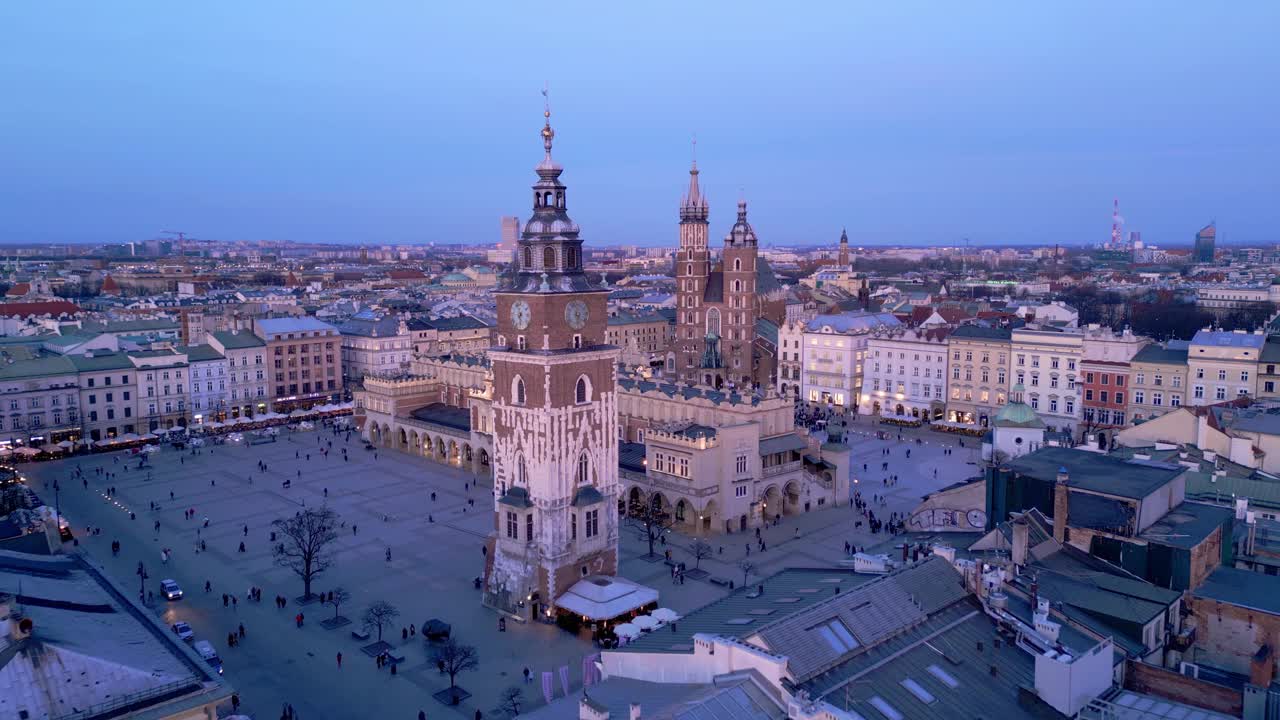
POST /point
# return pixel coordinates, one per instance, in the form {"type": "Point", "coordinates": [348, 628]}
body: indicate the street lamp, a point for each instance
{"type": "Point", "coordinates": [142, 580]}
{"type": "Point", "coordinates": [57, 505]}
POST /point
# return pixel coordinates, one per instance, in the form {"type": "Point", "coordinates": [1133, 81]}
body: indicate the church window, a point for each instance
{"type": "Point", "coordinates": [517, 390]}
{"type": "Point", "coordinates": [528, 259]}
{"type": "Point", "coordinates": [737, 286]}
{"type": "Point", "coordinates": [573, 526]}
{"type": "Point", "coordinates": [584, 469]}
{"type": "Point", "coordinates": [737, 263]}
{"type": "Point", "coordinates": [582, 391]}
{"type": "Point", "coordinates": [593, 523]}
{"type": "Point", "coordinates": [528, 527]}
{"type": "Point", "coordinates": [548, 257]}
{"type": "Point", "coordinates": [521, 344]}
{"type": "Point", "coordinates": [513, 529]}
{"type": "Point", "coordinates": [522, 471]}
{"type": "Point", "coordinates": [688, 269]}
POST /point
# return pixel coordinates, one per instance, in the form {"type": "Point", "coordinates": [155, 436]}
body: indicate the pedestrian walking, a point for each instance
{"type": "Point", "coordinates": [241, 631]}
{"type": "Point", "coordinates": [339, 661]}
{"type": "Point", "coordinates": [225, 600]}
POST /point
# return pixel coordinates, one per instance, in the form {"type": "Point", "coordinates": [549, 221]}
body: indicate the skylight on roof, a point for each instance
{"type": "Point", "coordinates": [885, 708]}
{"type": "Point", "coordinates": [918, 690]}
{"type": "Point", "coordinates": [739, 621]}
{"type": "Point", "coordinates": [837, 636]}
{"type": "Point", "coordinates": [943, 676]}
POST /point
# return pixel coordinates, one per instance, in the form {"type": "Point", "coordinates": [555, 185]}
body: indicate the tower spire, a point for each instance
{"type": "Point", "coordinates": [694, 206]}
{"type": "Point", "coordinates": [547, 133]}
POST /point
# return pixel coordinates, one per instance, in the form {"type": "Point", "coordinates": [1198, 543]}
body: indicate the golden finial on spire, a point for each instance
{"type": "Point", "coordinates": [547, 133]}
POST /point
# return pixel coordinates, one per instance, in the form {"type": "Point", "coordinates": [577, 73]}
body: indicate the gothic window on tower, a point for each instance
{"type": "Point", "coordinates": [548, 258]}
{"type": "Point", "coordinates": [528, 527]}
{"type": "Point", "coordinates": [737, 263]}
{"type": "Point", "coordinates": [577, 342]}
{"type": "Point", "coordinates": [582, 391]}
{"type": "Point", "coordinates": [584, 469]}
{"type": "Point", "coordinates": [520, 343]}
{"type": "Point", "coordinates": [517, 388]}
{"type": "Point", "coordinates": [522, 471]}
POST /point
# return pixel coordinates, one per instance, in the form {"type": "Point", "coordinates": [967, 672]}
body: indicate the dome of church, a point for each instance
{"type": "Point", "coordinates": [1017, 413]}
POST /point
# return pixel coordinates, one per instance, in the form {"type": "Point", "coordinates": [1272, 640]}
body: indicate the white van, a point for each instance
{"type": "Point", "coordinates": [210, 655]}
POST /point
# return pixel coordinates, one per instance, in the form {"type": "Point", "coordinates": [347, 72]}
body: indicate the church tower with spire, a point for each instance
{"type": "Point", "coordinates": [692, 270]}
{"type": "Point", "coordinates": [842, 258]}
{"type": "Point", "coordinates": [555, 434]}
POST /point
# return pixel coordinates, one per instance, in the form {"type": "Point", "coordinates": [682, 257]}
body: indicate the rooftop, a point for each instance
{"type": "Point", "coordinates": [305, 323]}
{"type": "Point", "coordinates": [1097, 472]}
{"type": "Point", "coordinates": [446, 415]}
{"type": "Point", "coordinates": [1222, 338]}
{"type": "Point", "coordinates": [238, 340]}
{"type": "Point", "coordinates": [1253, 590]}
{"type": "Point", "coordinates": [90, 647]}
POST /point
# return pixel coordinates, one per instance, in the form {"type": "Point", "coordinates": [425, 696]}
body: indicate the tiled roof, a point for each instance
{"type": "Point", "coordinates": [239, 340]}
{"type": "Point", "coordinates": [1160, 355]}
{"type": "Point", "coordinates": [54, 308]}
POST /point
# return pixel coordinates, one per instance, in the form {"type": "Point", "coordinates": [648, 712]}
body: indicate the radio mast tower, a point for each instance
{"type": "Point", "coordinates": [1117, 232]}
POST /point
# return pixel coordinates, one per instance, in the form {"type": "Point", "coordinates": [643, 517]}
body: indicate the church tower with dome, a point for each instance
{"type": "Point", "coordinates": [555, 434]}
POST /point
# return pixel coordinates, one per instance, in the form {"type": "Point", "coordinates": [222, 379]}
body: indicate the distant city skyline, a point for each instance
{"type": "Point", "coordinates": [910, 124]}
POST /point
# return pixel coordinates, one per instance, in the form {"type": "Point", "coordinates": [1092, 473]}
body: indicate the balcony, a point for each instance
{"type": "Point", "coordinates": [784, 468]}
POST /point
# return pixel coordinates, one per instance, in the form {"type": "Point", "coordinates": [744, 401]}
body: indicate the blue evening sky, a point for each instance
{"type": "Point", "coordinates": [405, 121]}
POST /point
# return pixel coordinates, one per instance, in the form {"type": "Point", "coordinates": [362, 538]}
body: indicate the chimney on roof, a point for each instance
{"type": "Point", "coordinates": [1061, 495]}
{"type": "Point", "coordinates": [1021, 538]}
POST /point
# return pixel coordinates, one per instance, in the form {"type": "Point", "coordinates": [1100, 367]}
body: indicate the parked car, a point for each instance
{"type": "Point", "coordinates": [210, 655]}
{"type": "Point", "coordinates": [184, 631]}
{"type": "Point", "coordinates": [170, 590]}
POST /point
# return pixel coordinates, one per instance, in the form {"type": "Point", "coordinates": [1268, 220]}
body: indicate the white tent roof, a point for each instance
{"type": "Point", "coordinates": [601, 597]}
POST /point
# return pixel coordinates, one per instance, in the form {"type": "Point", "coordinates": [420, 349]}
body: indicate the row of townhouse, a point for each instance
{"type": "Point", "coordinates": [47, 396]}
{"type": "Point", "coordinates": [1089, 380]}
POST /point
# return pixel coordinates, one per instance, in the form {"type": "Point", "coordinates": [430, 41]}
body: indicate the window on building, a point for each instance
{"type": "Point", "coordinates": [581, 394]}
{"type": "Point", "coordinates": [528, 527]}
{"type": "Point", "coordinates": [1139, 397]}
{"type": "Point", "coordinates": [513, 528]}
{"type": "Point", "coordinates": [593, 523]}
{"type": "Point", "coordinates": [584, 469]}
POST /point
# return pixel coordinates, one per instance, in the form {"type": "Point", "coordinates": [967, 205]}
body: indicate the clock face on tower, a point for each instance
{"type": "Point", "coordinates": [576, 314]}
{"type": "Point", "coordinates": [520, 314]}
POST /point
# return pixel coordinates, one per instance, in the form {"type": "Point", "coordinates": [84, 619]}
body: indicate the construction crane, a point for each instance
{"type": "Point", "coordinates": [182, 239]}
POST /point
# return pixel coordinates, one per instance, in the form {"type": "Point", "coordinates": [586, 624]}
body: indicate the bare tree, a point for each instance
{"type": "Point", "coordinates": [511, 700]}
{"type": "Point", "coordinates": [378, 614]}
{"type": "Point", "coordinates": [651, 521]}
{"type": "Point", "coordinates": [700, 549]}
{"type": "Point", "coordinates": [454, 658]}
{"type": "Point", "coordinates": [746, 566]}
{"type": "Point", "coordinates": [305, 548]}
{"type": "Point", "coordinates": [340, 597]}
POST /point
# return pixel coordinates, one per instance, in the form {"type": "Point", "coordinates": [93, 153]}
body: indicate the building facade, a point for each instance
{"type": "Point", "coordinates": [40, 397]}
{"type": "Point", "coordinates": [1158, 381]}
{"type": "Point", "coordinates": [643, 338]}
{"type": "Point", "coordinates": [977, 373]}
{"type": "Point", "coordinates": [832, 355]}
{"type": "Point", "coordinates": [305, 367]}
{"type": "Point", "coordinates": [555, 437]}
{"type": "Point", "coordinates": [248, 376]}
{"type": "Point", "coordinates": [374, 346]}
{"type": "Point", "coordinates": [108, 394]}
{"type": "Point", "coordinates": [1223, 365]}
{"type": "Point", "coordinates": [162, 377]}
{"type": "Point", "coordinates": [1047, 363]}
{"type": "Point", "coordinates": [450, 336]}
{"type": "Point", "coordinates": [209, 371]}
{"type": "Point", "coordinates": [905, 374]}
{"type": "Point", "coordinates": [1106, 382]}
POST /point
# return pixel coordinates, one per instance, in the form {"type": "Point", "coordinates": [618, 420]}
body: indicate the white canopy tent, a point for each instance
{"type": "Point", "coordinates": [601, 597]}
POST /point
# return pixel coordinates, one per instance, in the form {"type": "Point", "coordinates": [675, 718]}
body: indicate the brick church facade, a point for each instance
{"type": "Point", "coordinates": [728, 310]}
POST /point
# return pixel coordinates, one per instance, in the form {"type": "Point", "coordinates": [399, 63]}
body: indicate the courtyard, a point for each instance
{"type": "Point", "coordinates": [385, 500]}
